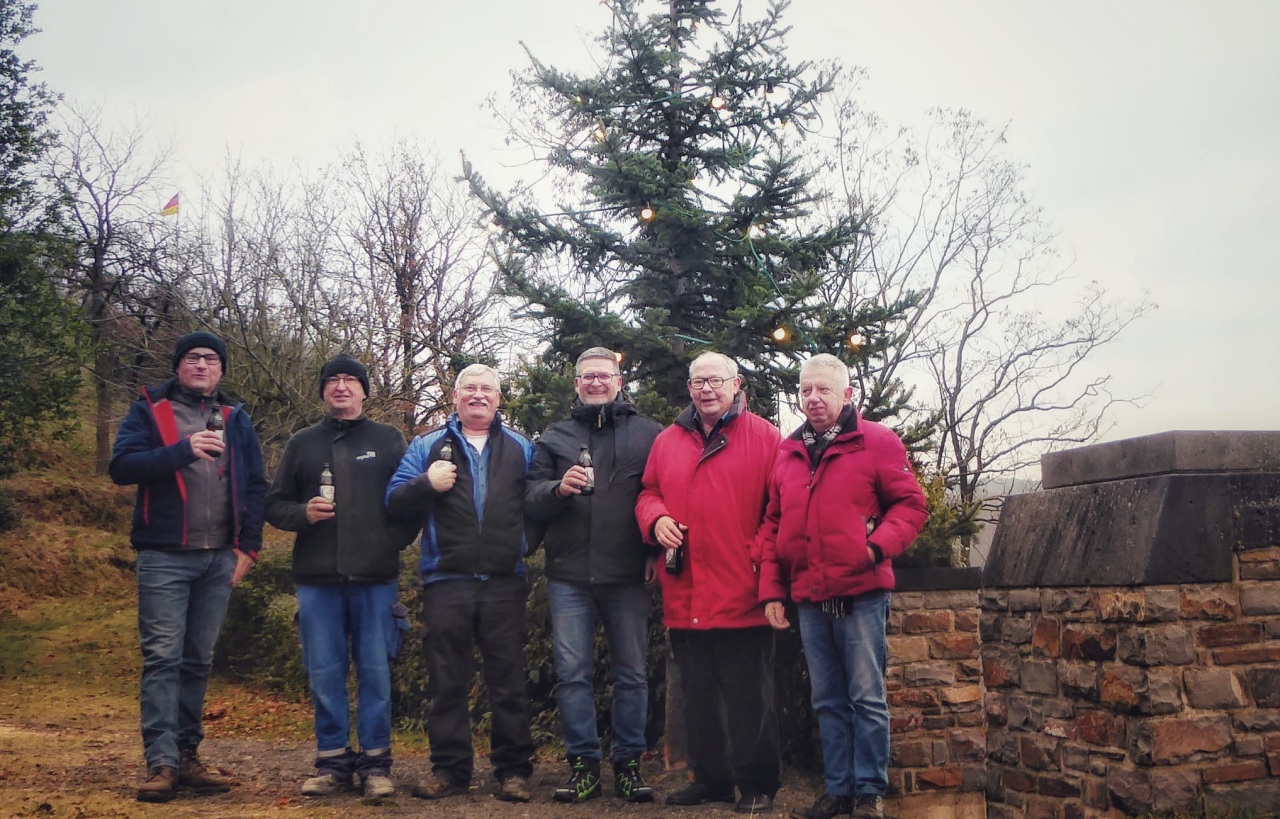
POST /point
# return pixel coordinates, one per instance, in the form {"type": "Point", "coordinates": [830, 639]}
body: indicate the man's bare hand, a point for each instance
{"type": "Point", "coordinates": [207, 445]}
{"type": "Point", "coordinates": [319, 509]}
{"type": "Point", "coordinates": [668, 533]}
{"type": "Point", "coordinates": [243, 564]}
{"type": "Point", "coordinates": [575, 477]}
{"type": "Point", "coordinates": [776, 614]}
{"type": "Point", "coordinates": [443, 475]}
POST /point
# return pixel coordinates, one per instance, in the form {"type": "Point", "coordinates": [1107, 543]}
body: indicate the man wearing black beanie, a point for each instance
{"type": "Point", "coordinates": [346, 561]}
{"type": "Point", "coordinates": [197, 525]}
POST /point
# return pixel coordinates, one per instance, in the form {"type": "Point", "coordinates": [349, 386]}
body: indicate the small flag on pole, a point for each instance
{"type": "Point", "coordinates": [171, 209]}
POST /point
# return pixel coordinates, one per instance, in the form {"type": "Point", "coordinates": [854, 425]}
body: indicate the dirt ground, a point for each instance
{"type": "Point", "coordinates": [60, 770]}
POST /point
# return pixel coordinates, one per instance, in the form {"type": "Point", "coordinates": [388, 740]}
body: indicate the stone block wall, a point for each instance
{"type": "Point", "coordinates": [934, 681]}
{"type": "Point", "coordinates": [1119, 700]}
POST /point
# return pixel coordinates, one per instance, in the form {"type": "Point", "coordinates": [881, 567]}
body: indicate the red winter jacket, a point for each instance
{"type": "Point", "coordinates": [815, 533]}
{"type": "Point", "coordinates": [719, 492]}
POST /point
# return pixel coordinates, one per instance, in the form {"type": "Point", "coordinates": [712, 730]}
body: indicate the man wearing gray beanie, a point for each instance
{"type": "Point", "coordinates": [197, 525]}
{"type": "Point", "coordinates": [346, 561]}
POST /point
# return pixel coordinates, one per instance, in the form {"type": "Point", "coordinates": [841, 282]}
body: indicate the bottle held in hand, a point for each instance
{"type": "Point", "coordinates": [446, 451]}
{"type": "Point", "coordinates": [584, 461]}
{"type": "Point", "coordinates": [215, 424]}
{"type": "Point", "coordinates": [673, 560]}
{"type": "Point", "coordinates": [326, 484]}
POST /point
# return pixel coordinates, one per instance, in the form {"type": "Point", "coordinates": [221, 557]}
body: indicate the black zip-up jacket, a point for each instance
{"type": "Point", "coordinates": [362, 542]}
{"type": "Point", "coordinates": [593, 538]}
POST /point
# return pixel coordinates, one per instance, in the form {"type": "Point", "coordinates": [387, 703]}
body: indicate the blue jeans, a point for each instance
{"type": "Point", "coordinates": [182, 600]}
{"type": "Point", "coordinates": [576, 610]}
{"type": "Point", "coordinates": [846, 658]}
{"type": "Point", "coordinates": [339, 622]}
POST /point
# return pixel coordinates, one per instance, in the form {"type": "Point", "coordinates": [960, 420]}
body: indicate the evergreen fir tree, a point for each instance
{"type": "Point", "coordinates": [686, 216]}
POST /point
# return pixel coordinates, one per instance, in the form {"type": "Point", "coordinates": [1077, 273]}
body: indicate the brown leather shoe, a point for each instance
{"type": "Point", "coordinates": [161, 785]}
{"type": "Point", "coordinates": [515, 788]}
{"type": "Point", "coordinates": [192, 774]}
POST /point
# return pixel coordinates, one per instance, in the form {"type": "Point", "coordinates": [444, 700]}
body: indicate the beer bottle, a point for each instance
{"type": "Point", "coordinates": [584, 461]}
{"type": "Point", "coordinates": [214, 424]}
{"type": "Point", "coordinates": [326, 484]}
{"type": "Point", "coordinates": [446, 450]}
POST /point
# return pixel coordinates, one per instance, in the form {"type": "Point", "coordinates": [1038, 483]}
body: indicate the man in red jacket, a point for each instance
{"type": "Point", "coordinates": [843, 502]}
{"type": "Point", "coordinates": [705, 486]}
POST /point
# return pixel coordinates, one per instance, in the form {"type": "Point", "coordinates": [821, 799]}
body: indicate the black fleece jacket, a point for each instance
{"type": "Point", "coordinates": [593, 538]}
{"type": "Point", "coordinates": [362, 542]}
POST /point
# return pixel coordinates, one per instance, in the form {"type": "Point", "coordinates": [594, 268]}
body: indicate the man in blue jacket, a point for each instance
{"type": "Point", "coordinates": [197, 526]}
{"type": "Point", "coordinates": [465, 482]}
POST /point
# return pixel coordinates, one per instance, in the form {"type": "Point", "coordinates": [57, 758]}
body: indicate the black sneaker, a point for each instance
{"type": "Point", "coordinates": [584, 781]}
{"type": "Point", "coordinates": [629, 783]}
{"type": "Point", "coordinates": [698, 794]}
{"type": "Point", "coordinates": [827, 806]}
{"type": "Point", "coordinates": [868, 806]}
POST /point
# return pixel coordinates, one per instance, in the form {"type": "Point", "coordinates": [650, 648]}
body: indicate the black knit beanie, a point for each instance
{"type": "Point", "coordinates": [200, 338]}
{"type": "Point", "coordinates": [345, 365]}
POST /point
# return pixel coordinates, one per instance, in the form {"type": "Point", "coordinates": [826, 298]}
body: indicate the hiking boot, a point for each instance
{"type": "Point", "coordinates": [161, 785]}
{"type": "Point", "coordinates": [827, 806]}
{"type": "Point", "coordinates": [192, 774]}
{"type": "Point", "coordinates": [697, 794]}
{"type": "Point", "coordinates": [378, 785]}
{"type": "Point", "coordinates": [515, 788]}
{"type": "Point", "coordinates": [629, 783]}
{"type": "Point", "coordinates": [436, 786]}
{"type": "Point", "coordinates": [584, 781]}
{"type": "Point", "coordinates": [326, 784]}
{"type": "Point", "coordinates": [868, 806]}
{"type": "Point", "coordinates": [754, 803]}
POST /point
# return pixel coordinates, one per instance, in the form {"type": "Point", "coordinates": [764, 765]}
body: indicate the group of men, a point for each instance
{"type": "Point", "coordinates": [732, 520]}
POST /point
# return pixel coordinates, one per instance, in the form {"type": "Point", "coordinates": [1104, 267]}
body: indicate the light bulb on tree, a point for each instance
{"type": "Point", "coordinates": [648, 214]}
{"type": "Point", "coordinates": [719, 103]}
{"type": "Point", "coordinates": [856, 340]}
{"type": "Point", "coordinates": [781, 334]}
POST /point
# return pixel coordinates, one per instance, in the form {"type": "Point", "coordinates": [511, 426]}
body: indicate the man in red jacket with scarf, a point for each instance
{"type": "Point", "coordinates": [843, 502]}
{"type": "Point", "coordinates": [704, 493]}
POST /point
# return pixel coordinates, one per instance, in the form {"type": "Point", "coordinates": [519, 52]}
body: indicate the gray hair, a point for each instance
{"type": "Point", "coordinates": [596, 352]}
{"type": "Point", "coordinates": [729, 364]}
{"type": "Point", "coordinates": [478, 369]}
{"type": "Point", "coordinates": [826, 361]}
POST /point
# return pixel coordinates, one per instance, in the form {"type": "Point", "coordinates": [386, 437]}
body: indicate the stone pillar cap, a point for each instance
{"type": "Point", "coordinates": [1180, 451]}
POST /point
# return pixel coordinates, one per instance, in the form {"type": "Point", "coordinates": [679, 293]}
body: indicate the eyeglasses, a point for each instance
{"type": "Point", "coordinates": [715, 382]}
{"type": "Point", "coordinates": [483, 389]}
{"type": "Point", "coordinates": [603, 378]}
{"type": "Point", "coordinates": [192, 359]}
{"type": "Point", "coordinates": [345, 380]}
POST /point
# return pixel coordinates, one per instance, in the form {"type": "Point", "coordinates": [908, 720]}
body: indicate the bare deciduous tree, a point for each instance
{"type": "Point", "coordinates": [998, 342]}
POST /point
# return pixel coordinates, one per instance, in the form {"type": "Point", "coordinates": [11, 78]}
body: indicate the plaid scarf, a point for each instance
{"type": "Point", "coordinates": [817, 444]}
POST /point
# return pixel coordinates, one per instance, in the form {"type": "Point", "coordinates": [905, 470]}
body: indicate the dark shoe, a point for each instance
{"type": "Point", "coordinates": [325, 784]}
{"type": "Point", "coordinates": [584, 781]}
{"type": "Point", "coordinates": [754, 803]}
{"type": "Point", "coordinates": [629, 783]}
{"type": "Point", "coordinates": [515, 788]}
{"type": "Point", "coordinates": [161, 785]}
{"type": "Point", "coordinates": [827, 806]}
{"type": "Point", "coordinates": [868, 806]}
{"type": "Point", "coordinates": [192, 774]}
{"type": "Point", "coordinates": [698, 794]}
{"type": "Point", "coordinates": [436, 786]}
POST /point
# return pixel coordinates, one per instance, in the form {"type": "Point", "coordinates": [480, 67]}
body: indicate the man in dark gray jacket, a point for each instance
{"type": "Point", "coordinates": [346, 560]}
{"type": "Point", "coordinates": [597, 566]}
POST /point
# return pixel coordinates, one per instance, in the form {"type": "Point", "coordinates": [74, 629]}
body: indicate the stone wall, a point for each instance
{"type": "Point", "coordinates": [1130, 630]}
{"type": "Point", "coordinates": [934, 680]}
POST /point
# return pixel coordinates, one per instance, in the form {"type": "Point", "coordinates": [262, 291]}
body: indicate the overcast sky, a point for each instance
{"type": "Point", "coordinates": [1151, 128]}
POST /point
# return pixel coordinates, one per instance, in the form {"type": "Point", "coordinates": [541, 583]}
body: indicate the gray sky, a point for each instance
{"type": "Point", "coordinates": [1150, 127]}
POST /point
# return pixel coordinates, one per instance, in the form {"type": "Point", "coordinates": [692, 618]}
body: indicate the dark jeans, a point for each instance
{"type": "Point", "coordinates": [726, 677]}
{"type": "Point", "coordinates": [182, 599]}
{"type": "Point", "coordinates": [457, 616]}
